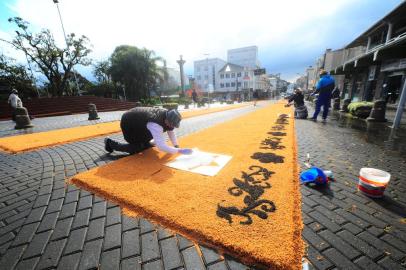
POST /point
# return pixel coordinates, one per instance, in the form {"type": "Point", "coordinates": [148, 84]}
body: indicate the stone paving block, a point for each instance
{"type": "Point", "coordinates": [54, 206]}
{"type": "Point", "coordinates": [324, 202]}
{"type": "Point", "coordinates": [317, 242]}
{"type": "Point", "coordinates": [68, 210]}
{"type": "Point", "coordinates": [154, 265]}
{"type": "Point", "coordinates": [367, 264]}
{"type": "Point", "coordinates": [183, 242]}
{"type": "Point", "coordinates": [164, 233]}
{"type": "Point", "coordinates": [149, 247]}
{"type": "Point", "coordinates": [85, 202]}
{"type": "Point", "coordinates": [360, 244]}
{"type": "Point", "coordinates": [170, 253]}
{"type": "Point", "coordinates": [381, 245]}
{"type": "Point", "coordinates": [96, 229]}
{"type": "Point", "coordinates": [389, 264]}
{"type": "Point", "coordinates": [352, 228]}
{"type": "Point", "coordinates": [146, 226]}
{"type": "Point", "coordinates": [98, 210]}
{"type": "Point", "coordinates": [350, 217]}
{"type": "Point", "coordinates": [48, 222]}
{"type": "Point", "coordinates": [25, 235]}
{"type": "Point", "coordinates": [18, 216]}
{"type": "Point", "coordinates": [326, 222]}
{"type": "Point", "coordinates": [369, 218]}
{"type": "Point", "coordinates": [306, 219]}
{"type": "Point", "coordinates": [7, 237]}
{"type": "Point", "coordinates": [62, 228]}
{"type": "Point", "coordinates": [309, 202]}
{"type": "Point", "coordinates": [98, 199]}
{"type": "Point", "coordinates": [209, 255]}
{"type": "Point", "coordinates": [72, 196]}
{"type": "Point", "coordinates": [340, 245]}
{"type": "Point", "coordinates": [217, 266]}
{"type": "Point", "coordinates": [91, 255]}
{"type": "Point", "coordinates": [37, 245]}
{"type": "Point", "coordinates": [69, 262]}
{"type": "Point", "coordinates": [12, 227]}
{"type": "Point", "coordinates": [192, 259]}
{"type": "Point", "coordinates": [75, 241]}
{"type": "Point", "coordinates": [58, 193]}
{"type": "Point", "coordinates": [131, 243]}
{"type": "Point", "coordinates": [110, 260]}
{"type": "Point", "coordinates": [29, 264]}
{"type": "Point", "coordinates": [52, 254]}
{"type": "Point", "coordinates": [133, 263]}
{"type": "Point", "coordinates": [35, 215]}
{"type": "Point", "coordinates": [81, 219]}
{"type": "Point", "coordinates": [338, 259]}
{"type": "Point", "coordinates": [42, 200]}
{"type": "Point", "coordinates": [333, 216]}
{"type": "Point", "coordinates": [129, 223]}
{"type": "Point", "coordinates": [111, 204]}
{"type": "Point", "coordinates": [318, 260]}
{"type": "Point", "coordinates": [399, 244]}
{"type": "Point", "coordinates": [316, 227]}
{"type": "Point", "coordinates": [11, 258]}
{"type": "Point", "coordinates": [113, 216]}
{"type": "Point", "coordinates": [112, 238]}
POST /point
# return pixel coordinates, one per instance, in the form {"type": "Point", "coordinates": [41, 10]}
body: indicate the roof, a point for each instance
{"type": "Point", "coordinates": [396, 14]}
{"type": "Point", "coordinates": [233, 68]}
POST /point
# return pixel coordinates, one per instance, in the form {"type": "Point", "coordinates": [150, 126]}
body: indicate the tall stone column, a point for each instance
{"type": "Point", "coordinates": [181, 62]}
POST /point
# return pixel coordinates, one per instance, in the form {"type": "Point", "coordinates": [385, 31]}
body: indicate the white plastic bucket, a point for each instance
{"type": "Point", "coordinates": [373, 182]}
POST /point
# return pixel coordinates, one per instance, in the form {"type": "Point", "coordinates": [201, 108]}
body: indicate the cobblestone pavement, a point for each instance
{"type": "Point", "coordinates": [46, 224]}
{"type": "Point", "coordinates": [343, 228]}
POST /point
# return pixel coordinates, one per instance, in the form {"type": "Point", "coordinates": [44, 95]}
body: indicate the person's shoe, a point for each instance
{"type": "Point", "coordinates": [324, 120]}
{"type": "Point", "coordinates": [312, 119]}
{"type": "Point", "coordinates": [107, 145]}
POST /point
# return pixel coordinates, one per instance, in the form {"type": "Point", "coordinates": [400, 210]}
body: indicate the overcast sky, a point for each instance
{"type": "Point", "coordinates": [290, 34]}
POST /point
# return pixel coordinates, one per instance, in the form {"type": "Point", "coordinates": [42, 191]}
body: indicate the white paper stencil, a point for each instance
{"type": "Point", "coordinates": [200, 162]}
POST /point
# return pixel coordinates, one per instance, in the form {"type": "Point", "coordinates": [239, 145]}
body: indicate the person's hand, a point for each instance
{"type": "Point", "coordinates": [185, 151]}
{"type": "Point", "coordinates": [176, 146]}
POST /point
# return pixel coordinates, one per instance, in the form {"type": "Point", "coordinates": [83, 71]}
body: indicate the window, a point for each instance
{"type": "Point", "coordinates": [198, 69]}
{"type": "Point", "coordinates": [227, 75]}
{"type": "Point", "coordinates": [233, 84]}
{"type": "Point", "coordinates": [227, 84]}
{"type": "Point", "coordinates": [222, 76]}
{"type": "Point", "coordinates": [206, 77]}
{"type": "Point", "coordinates": [239, 74]}
{"type": "Point", "coordinates": [239, 84]}
{"type": "Point", "coordinates": [246, 74]}
{"type": "Point", "coordinates": [205, 68]}
{"type": "Point", "coordinates": [199, 78]}
{"type": "Point", "coordinates": [232, 75]}
{"type": "Point", "coordinates": [221, 85]}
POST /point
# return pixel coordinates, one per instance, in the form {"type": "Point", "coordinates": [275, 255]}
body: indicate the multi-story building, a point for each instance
{"type": "Point", "coordinates": [206, 73]}
{"type": "Point", "coordinates": [245, 57]}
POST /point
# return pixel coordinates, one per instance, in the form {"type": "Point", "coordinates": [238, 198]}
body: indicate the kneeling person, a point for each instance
{"type": "Point", "coordinates": [141, 124]}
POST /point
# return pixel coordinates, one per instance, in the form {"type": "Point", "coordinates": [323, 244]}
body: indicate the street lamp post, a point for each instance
{"type": "Point", "coordinates": [56, 2]}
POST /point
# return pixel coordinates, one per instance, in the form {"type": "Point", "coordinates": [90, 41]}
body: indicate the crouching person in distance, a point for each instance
{"type": "Point", "coordinates": [142, 124]}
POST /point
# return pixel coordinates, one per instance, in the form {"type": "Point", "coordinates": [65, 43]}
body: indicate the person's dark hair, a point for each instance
{"type": "Point", "coordinates": [174, 118]}
{"type": "Point", "coordinates": [323, 72]}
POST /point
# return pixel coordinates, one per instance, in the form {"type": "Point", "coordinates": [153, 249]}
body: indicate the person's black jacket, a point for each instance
{"type": "Point", "coordinates": [297, 98]}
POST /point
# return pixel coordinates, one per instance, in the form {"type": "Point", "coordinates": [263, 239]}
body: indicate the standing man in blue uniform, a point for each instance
{"type": "Point", "coordinates": [324, 88]}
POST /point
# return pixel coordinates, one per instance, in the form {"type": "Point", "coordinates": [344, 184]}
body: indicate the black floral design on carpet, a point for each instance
{"type": "Point", "coordinates": [282, 121]}
{"type": "Point", "coordinates": [272, 143]}
{"type": "Point", "coordinates": [253, 186]}
{"type": "Point", "coordinates": [278, 127]}
{"type": "Point", "coordinates": [277, 133]}
{"type": "Point", "coordinates": [268, 157]}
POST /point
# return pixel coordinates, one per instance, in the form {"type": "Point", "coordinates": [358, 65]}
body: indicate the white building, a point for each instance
{"type": "Point", "coordinates": [245, 57]}
{"type": "Point", "coordinates": [206, 73]}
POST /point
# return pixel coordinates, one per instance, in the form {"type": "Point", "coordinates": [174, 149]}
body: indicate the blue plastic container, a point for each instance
{"type": "Point", "coordinates": [313, 175]}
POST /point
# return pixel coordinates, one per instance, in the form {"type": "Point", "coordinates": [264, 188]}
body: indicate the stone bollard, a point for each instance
{"type": "Point", "coordinates": [22, 118]}
{"type": "Point", "coordinates": [378, 112]}
{"type": "Point", "coordinates": [93, 112]}
{"type": "Point", "coordinates": [346, 102]}
{"type": "Point", "coordinates": [336, 104]}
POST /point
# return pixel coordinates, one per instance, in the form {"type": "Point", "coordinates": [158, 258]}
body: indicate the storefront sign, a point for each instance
{"type": "Point", "coordinates": [372, 72]}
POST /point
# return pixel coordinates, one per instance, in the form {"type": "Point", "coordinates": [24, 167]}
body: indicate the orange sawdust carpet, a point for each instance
{"type": "Point", "coordinates": [250, 210]}
{"type": "Point", "coordinates": [27, 142]}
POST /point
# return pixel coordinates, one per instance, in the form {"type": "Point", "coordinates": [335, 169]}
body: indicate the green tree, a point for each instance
{"type": "Point", "coordinates": [13, 75]}
{"type": "Point", "coordinates": [135, 69]}
{"type": "Point", "coordinates": [54, 63]}
{"type": "Point", "coordinates": [101, 71]}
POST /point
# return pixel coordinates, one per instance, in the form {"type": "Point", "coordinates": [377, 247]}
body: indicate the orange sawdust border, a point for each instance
{"type": "Point", "coordinates": [295, 247]}
{"type": "Point", "coordinates": [28, 142]}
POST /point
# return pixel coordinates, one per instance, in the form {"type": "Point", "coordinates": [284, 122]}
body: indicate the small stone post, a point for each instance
{"type": "Point", "coordinates": [378, 112]}
{"type": "Point", "coordinates": [22, 118]}
{"type": "Point", "coordinates": [93, 112]}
